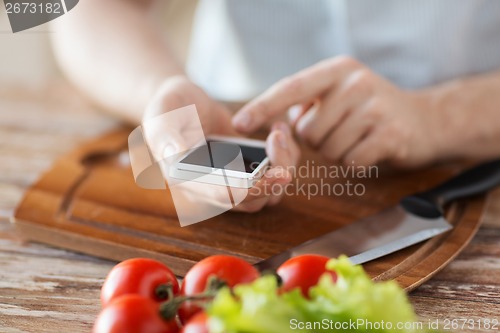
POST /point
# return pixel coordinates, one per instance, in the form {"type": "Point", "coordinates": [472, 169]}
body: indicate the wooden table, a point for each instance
{"type": "Point", "coordinates": [43, 289]}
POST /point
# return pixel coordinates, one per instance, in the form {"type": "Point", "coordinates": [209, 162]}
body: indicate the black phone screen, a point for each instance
{"type": "Point", "coordinates": [219, 154]}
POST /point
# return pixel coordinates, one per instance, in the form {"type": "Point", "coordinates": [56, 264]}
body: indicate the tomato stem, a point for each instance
{"type": "Point", "coordinates": [165, 291]}
{"type": "Point", "coordinates": [214, 284]}
{"type": "Point", "coordinates": [169, 308]}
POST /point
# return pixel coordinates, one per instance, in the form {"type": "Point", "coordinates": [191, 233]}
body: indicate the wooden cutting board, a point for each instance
{"type": "Point", "coordinates": [88, 202]}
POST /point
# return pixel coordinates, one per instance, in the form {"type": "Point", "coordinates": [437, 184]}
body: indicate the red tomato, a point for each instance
{"type": "Point", "coordinates": [230, 270]}
{"type": "Point", "coordinates": [133, 314]}
{"type": "Point", "coordinates": [197, 324]}
{"type": "Point", "coordinates": [138, 276]}
{"type": "Point", "coordinates": [303, 272]}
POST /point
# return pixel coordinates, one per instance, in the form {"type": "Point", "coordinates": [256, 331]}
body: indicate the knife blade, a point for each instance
{"type": "Point", "coordinates": [417, 218]}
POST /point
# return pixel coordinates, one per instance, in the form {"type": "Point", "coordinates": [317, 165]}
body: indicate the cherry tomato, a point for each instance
{"type": "Point", "coordinates": [230, 270]}
{"type": "Point", "coordinates": [133, 314]}
{"type": "Point", "coordinates": [138, 276]}
{"type": "Point", "coordinates": [197, 324]}
{"type": "Point", "coordinates": [303, 272]}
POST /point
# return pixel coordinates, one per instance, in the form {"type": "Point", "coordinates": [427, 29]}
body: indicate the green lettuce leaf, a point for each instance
{"type": "Point", "coordinates": [354, 303]}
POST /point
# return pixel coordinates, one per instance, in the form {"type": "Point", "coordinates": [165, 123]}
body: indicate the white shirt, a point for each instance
{"type": "Point", "coordinates": [241, 47]}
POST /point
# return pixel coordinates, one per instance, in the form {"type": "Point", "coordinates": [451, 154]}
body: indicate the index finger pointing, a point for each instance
{"type": "Point", "coordinates": [299, 88]}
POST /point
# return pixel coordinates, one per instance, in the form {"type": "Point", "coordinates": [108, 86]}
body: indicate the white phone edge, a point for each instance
{"type": "Point", "coordinates": [230, 178]}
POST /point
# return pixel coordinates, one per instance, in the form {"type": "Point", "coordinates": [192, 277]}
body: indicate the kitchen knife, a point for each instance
{"type": "Point", "coordinates": [417, 217]}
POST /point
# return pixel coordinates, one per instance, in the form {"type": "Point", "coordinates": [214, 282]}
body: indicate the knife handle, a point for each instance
{"type": "Point", "coordinates": [474, 181]}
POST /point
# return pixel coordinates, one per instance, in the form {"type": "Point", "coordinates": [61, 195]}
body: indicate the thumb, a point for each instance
{"type": "Point", "coordinates": [279, 149]}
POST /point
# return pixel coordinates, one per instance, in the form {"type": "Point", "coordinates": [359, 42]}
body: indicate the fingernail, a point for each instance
{"type": "Point", "coordinates": [282, 140]}
{"type": "Point", "coordinates": [280, 126]}
{"type": "Point", "coordinates": [242, 120]}
{"type": "Point", "coordinates": [294, 112]}
{"type": "Point", "coordinates": [283, 127]}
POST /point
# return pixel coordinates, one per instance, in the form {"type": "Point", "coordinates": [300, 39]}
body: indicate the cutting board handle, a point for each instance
{"type": "Point", "coordinates": [471, 182]}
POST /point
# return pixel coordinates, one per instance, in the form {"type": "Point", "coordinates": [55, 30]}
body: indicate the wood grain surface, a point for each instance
{"type": "Point", "coordinates": [88, 202]}
{"type": "Point", "coordinates": [43, 289]}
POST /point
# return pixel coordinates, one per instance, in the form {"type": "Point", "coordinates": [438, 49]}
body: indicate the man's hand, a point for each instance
{"type": "Point", "coordinates": [349, 113]}
{"type": "Point", "coordinates": [164, 139]}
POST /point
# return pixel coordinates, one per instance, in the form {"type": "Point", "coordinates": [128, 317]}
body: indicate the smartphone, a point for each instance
{"type": "Point", "coordinates": [227, 161]}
